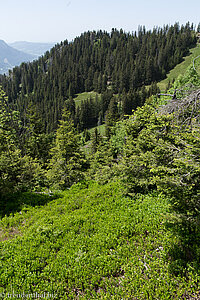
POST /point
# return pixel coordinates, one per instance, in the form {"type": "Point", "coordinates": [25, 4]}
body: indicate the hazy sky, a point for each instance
{"type": "Point", "coordinates": [57, 20]}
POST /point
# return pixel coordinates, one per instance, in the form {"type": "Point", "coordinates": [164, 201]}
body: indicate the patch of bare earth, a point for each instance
{"type": "Point", "coordinates": [11, 233]}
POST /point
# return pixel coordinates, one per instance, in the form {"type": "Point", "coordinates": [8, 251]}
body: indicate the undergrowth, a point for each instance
{"type": "Point", "coordinates": [93, 243]}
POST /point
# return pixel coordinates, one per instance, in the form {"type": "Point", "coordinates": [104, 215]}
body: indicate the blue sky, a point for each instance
{"type": "Point", "coordinates": [57, 20]}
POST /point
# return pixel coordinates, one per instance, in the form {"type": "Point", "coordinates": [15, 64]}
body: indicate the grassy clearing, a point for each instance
{"type": "Point", "coordinates": [181, 68]}
{"type": "Point", "coordinates": [84, 96]}
{"type": "Point", "coordinates": [92, 243]}
{"type": "Point", "coordinates": [101, 129]}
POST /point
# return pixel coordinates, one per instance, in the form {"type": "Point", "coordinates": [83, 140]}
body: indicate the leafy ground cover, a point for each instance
{"type": "Point", "coordinates": [93, 243]}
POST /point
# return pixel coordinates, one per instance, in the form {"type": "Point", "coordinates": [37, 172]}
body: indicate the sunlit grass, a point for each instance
{"type": "Point", "coordinates": [181, 68]}
{"type": "Point", "coordinates": [84, 96]}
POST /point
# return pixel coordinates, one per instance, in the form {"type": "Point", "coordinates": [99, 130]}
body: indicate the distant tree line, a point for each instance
{"type": "Point", "coordinates": [107, 63]}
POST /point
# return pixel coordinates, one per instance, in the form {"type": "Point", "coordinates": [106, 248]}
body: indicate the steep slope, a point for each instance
{"type": "Point", "coordinates": [10, 57]}
{"type": "Point", "coordinates": [95, 61]}
{"type": "Point", "coordinates": [182, 67]}
{"type": "Point", "coordinates": [91, 243]}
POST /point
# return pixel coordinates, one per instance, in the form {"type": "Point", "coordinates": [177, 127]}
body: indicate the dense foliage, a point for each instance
{"type": "Point", "coordinates": [163, 154]}
{"type": "Point", "coordinates": [93, 243]}
{"type": "Point", "coordinates": [18, 171]}
{"type": "Point", "coordinates": [97, 61]}
{"type": "Point", "coordinates": [157, 148]}
{"type": "Point", "coordinates": [67, 163]}
{"type": "Point", "coordinates": [109, 236]}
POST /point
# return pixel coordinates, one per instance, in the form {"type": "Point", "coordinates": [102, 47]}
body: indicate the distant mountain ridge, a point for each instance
{"type": "Point", "coordinates": [105, 63]}
{"type": "Point", "coordinates": [10, 57]}
{"type": "Point", "coordinates": [35, 49]}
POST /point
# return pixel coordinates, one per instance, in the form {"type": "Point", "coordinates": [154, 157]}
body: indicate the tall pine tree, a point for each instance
{"type": "Point", "coordinates": [67, 161]}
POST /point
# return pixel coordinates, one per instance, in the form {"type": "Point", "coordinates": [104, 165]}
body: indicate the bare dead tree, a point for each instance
{"type": "Point", "coordinates": [185, 110]}
{"type": "Point", "coordinates": [169, 95]}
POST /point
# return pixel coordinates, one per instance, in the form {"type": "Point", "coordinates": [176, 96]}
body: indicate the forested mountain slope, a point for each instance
{"type": "Point", "coordinates": [127, 224]}
{"type": "Point", "coordinates": [122, 62]}
{"type": "Point", "coordinates": [129, 229]}
{"type": "Point", "coordinates": [194, 56]}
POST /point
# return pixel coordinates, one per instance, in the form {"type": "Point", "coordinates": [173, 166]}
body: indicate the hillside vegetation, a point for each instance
{"type": "Point", "coordinates": [133, 233]}
{"type": "Point", "coordinates": [182, 67]}
{"type": "Point", "coordinates": [94, 243]}
{"type": "Point", "coordinates": [112, 216]}
{"type": "Point", "coordinates": [122, 62]}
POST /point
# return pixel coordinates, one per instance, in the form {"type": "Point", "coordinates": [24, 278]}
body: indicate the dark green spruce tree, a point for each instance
{"type": "Point", "coordinates": [67, 162]}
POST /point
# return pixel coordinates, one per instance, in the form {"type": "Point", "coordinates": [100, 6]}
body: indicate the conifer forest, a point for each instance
{"type": "Point", "coordinates": [100, 168]}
